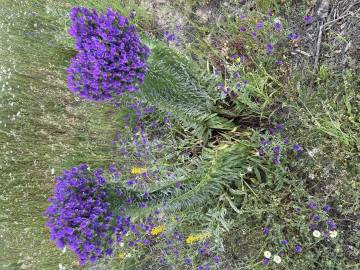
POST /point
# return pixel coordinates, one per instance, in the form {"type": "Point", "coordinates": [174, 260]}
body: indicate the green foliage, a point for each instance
{"type": "Point", "coordinates": [175, 84]}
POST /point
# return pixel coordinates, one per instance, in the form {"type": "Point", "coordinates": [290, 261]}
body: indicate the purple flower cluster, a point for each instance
{"type": "Point", "coordinates": [111, 59]}
{"type": "Point", "coordinates": [80, 216]}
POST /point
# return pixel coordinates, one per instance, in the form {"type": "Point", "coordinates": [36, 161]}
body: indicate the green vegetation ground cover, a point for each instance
{"type": "Point", "coordinates": [44, 126]}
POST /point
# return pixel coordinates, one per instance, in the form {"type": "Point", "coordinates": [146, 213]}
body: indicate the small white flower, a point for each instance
{"type": "Point", "coordinates": [277, 20]}
{"type": "Point", "coordinates": [61, 267]}
{"type": "Point", "coordinates": [121, 244]}
{"type": "Point", "coordinates": [333, 234]}
{"type": "Point", "coordinates": [313, 152]}
{"type": "Point", "coordinates": [277, 259]}
{"type": "Point", "coordinates": [52, 171]}
{"type": "Point", "coordinates": [316, 233]}
{"type": "Point", "coordinates": [267, 254]}
{"type": "Point", "coordinates": [63, 250]}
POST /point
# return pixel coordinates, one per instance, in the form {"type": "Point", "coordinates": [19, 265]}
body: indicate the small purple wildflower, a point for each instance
{"type": "Point", "coordinates": [297, 148]}
{"type": "Point", "coordinates": [242, 29]}
{"type": "Point", "coordinates": [187, 261]}
{"type": "Point", "coordinates": [254, 34]}
{"type": "Point", "coordinates": [131, 182]}
{"type": "Point", "coordinates": [259, 25]}
{"type": "Point", "coordinates": [236, 75]}
{"type": "Point", "coordinates": [216, 259]}
{"type": "Point", "coordinates": [277, 25]}
{"type": "Point", "coordinates": [234, 56]}
{"type": "Point", "coordinates": [266, 231]}
{"type": "Point", "coordinates": [132, 14]}
{"type": "Point", "coordinates": [284, 242]}
{"type": "Point", "coordinates": [298, 248]}
{"type": "Point", "coordinates": [279, 62]}
{"type": "Point", "coordinates": [312, 205]}
{"type": "Point", "coordinates": [331, 224]}
{"type": "Point", "coordinates": [315, 218]}
{"type": "Point", "coordinates": [313, 226]}
{"type": "Point", "coordinates": [276, 149]}
{"type": "Point", "coordinates": [293, 36]}
{"type": "Point", "coordinates": [326, 208]}
{"type": "Point", "coordinates": [266, 261]}
{"type": "Point", "coordinates": [280, 127]}
{"type": "Point", "coordinates": [269, 48]}
{"type": "Point", "coordinates": [308, 19]}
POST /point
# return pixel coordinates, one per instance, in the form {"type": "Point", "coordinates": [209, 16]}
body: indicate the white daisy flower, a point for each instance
{"type": "Point", "coordinates": [333, 234]}
{"type": "Point", "coordinates": [277, 259]}
{"type": "Point", "coordinates": [316, 233]}
{"type": "Point", "coordinates": [267, 254]}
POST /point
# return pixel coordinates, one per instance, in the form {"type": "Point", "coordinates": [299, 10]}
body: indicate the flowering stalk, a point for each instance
{"type": "Point", "coordinates": [112, 60]}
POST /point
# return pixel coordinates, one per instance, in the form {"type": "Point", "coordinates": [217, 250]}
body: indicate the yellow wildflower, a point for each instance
{"type": "Point", "coordinates": [194, 238]}
{"type": "Point", "coordinates": [121, 256]}
{"type": "Point", "coordinates": [138, 170]}
{"type": "Point", "coordinates": [157, 230]}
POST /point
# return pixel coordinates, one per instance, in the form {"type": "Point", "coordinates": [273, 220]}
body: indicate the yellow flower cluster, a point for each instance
{"type": "Point", "coordinates": [157, 230]}
{"type": "Point", "coordinates": [138, 170]}
{"type": "Point", "coordinates": [194, 238]}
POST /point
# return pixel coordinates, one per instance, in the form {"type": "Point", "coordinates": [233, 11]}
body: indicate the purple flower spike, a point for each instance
{"type": "Point", "coordinates": [80, 217]}
{"type": "Point", "coordinates": [111, 59]}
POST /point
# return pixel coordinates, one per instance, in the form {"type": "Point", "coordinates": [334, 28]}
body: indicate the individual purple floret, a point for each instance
{"type": "Point", "coordinates": [80, 217]}
{"type": "Point", "coordinates": [111, 59]}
